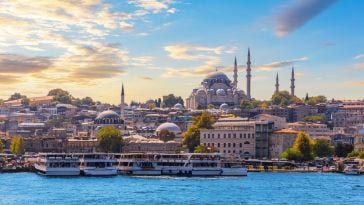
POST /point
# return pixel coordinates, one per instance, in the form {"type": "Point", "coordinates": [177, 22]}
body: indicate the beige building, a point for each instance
{"type": "Point", "coordinates": [280, 140]}
{"type": "Point", "coordinates": [359, 140]}
{"type": "Point", "coordinates": [234, 136]}
{"type": "Point", "coordinates": [314, 130]}
{"type": "Point", "coordinates": [140, 144]}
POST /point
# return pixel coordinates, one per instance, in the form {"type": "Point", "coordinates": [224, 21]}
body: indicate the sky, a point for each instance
{"type": "Point", "coordinates": [158, 47]}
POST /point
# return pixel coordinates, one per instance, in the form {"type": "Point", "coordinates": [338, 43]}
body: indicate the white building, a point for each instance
{"type": "Point", "coordinates": [232, 136]}
{"type": "Point", "coordinates": [314, 130]}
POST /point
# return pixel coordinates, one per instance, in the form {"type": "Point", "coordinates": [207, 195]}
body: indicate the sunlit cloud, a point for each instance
{"type": "Point", "coordinates": [297, 13]}
{"type": "Point", "coordinates": [359, 56]}
{"type": "Point", "coordinates": [279, 64]}
{"type": "Point", "coordinates": [154, 6]}
{"type": "Point", "coordinates": [11, 63]}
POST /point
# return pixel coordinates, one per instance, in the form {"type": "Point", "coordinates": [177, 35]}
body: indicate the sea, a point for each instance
{"type": "Point", "coordinates": [256, 188]}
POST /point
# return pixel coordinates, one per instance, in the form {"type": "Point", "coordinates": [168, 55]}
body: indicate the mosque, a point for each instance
{"type": "Point", "coordinates": [218, 90]}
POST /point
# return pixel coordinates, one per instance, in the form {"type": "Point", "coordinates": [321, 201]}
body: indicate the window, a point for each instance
{"type": "Point", "coordinates": [218, 136]}
{"type": "Point", "coordinates": [212, 136]}
{"type": "Point", "coordinates": [229, 145]}
{"type": "Point", "coordinates": [218, 144]}
{"type": "Point", "coordinates": [246, 142]}
{"type": "Point", "coordinates": [233, 144]}
{"type": "Point", "coordinates": [241, 136]}
{"type": "Point", "coordinates": [234, 135]}
{"type": "Point", "coordinates": [229, 135]}
{"type": "Point", "coordinates": [244, 135]}
{"type": "Point", "coordinates": [224, 144]}
{"type": "Point", "coordinates": [240, 144]}
{"type": "Point", "coordinates": [224, 135]}
{"type": "Point", "coordinates": [248, 135]}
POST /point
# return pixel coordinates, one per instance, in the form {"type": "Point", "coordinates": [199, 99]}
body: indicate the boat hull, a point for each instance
{"type": "Point", "coordinates": [99, 172]}
{"type": "Point", "coordinates": [57, 171]}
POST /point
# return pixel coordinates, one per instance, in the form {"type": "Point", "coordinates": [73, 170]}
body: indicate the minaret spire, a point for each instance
{"type": "Point", "coordinates": [248, 76]}
{"type": "Point", "coordinates": [122, 103]}
{"type": "Point", "coordinates": [277, 84]}
{"type": "Point", "coordinates": [235, 73]}
{"type": "Point", "coordinates": [292, 82]}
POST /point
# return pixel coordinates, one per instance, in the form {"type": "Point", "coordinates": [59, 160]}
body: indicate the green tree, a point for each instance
{"type": "Point", "coordinates": [342, 150]}
{"type": "Point", "coordinates": [109, 139]}
{"type": "Point", "coordinates": [1, 146]}
{"type": "Point", "coordinates": [25, 101]}
{"type": "Point", "coordinates": [353, 154]}
{"type": "Point", "coordinates": [246, 104]}
{"type": "Point", "coordinates": [304, 144]}
{"type": "Point", "coordinates": [284, 98]}
{"type": "Point", "coordinates": [170, 100]}
{"type": "Point", "coordinates": [315, 100]}
{"type": "Point", "coordinates": [320, 118]}
{"type": "Point", "coordinates": [61, 96]}
{"type": "Point", "coordinates": [166, 136]}
{"type": "Point", "coordinates": [204, 149]}
{"type": "Point", "coordinates": [322, 148]}
{"type": "Point", "coordinates": [87, 101]}
{"type": "Point", "coordinates": [292, 154]}
{"type": "Point", "coordinates": [16, 96]}
{"type": "Point", "coordinates": [17, 145]}
{"type": "Point", "coordinates": [192, 135]}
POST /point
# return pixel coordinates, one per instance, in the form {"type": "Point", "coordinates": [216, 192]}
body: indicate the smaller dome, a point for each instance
{"type": "Point", "coordinates": [178, 106]}
{"type": "Point", "coordinates": [220, 92]}
{"type": "Point", "coordinates": [171, 127]}
{"type": "Point", "coordinates": [224, 106]}
{"type": "Point", "coordinates": [107, 114]}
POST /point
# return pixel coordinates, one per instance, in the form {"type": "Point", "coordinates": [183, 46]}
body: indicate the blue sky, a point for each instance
{"type": "Point", "coordinates": [157, 47]}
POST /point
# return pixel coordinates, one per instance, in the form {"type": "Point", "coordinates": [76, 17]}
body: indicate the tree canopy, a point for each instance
{"type": "Point", "coordinates": [166, 136]}
{"type": "Point", "coordinates": [170, 100]}
{"type": "Point", "coordinates": [109, 139]}
{"type": "Point", "coordinates": [17, 145]}
{"type": "Point", "coordinates": [315, 99]}
{"type": "Point", "coordinates": [342, 150]}
{"type": "Point", "coordinates": [192, 135]}
{"type": "Point", "coordinates": [322, 148]}
{"type": "Point", "coordinates": [317, 118]}
{"type": "Point", "coordinates": [1, 146]}
{"type": "Point", "coordinates": [61, 96]}
{"type": "Point", "coordinates": [283, 98]}
{"type": "Point", "coordinates": [302, 149]}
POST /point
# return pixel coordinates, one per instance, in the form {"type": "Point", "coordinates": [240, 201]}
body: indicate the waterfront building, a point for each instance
{"type": "Point", "coordinates": [359, 140]}
{"type": "Point", "coordinates": [232, 136]}
{"type": "Point", "coordinates": [140, 144]}
{"type": "Point", "coordinates": [280, 140]}
{"type": "Point", "coordinates": [314, 130]}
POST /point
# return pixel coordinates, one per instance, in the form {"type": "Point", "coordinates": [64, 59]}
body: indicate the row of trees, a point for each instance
{"type": "Point", "coordinates": [16, 145]}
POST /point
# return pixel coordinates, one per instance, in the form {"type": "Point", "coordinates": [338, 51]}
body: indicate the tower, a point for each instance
{"type": "Point", "coordinates": [122, 104]}
{"type": "Point", "coordinates": [277, 84]}
{"type": "Point", "coordinates": [292, 82]}
{"type": "Point", "coordinates": [235, 73]}
{"type": "Point", "coordinates": [248, 76]}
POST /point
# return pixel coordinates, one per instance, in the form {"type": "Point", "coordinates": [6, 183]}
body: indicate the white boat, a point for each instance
{"type": "Point", "coordinates": [179, 164]}
{"type": "Point", "coordinates": [57, 164]}
{"type": "Point", "coordinates": [352, 170]}
{"type": "Point", "coordinates": [98, 164]}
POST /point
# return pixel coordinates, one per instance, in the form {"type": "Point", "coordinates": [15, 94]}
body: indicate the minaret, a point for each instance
{"type": "Point", "coordinates": [277, 84]}
{"type": "Point", "coordinates": [122, 104]}
{"type": "Point", "coordinates": [248, 76]}
{"type": "Point", "coordinates": [292, 82]}
{"type": "Point", "coordinates": [235, 73]}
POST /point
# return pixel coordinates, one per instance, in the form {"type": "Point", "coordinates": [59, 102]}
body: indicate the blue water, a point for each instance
{"type": "Point", "coordinates": [257, 188]}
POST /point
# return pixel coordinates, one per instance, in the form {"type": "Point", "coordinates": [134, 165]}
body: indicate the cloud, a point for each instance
{"type": "Point", "coordinates": [154, 6]}
{"type": "Point", "coordinates": [11, 63]}
{"type": "Point", "coordinates": [299, 12]}
{"type": "Point", "coordinates": [279, 64]}
{"type": "Point", "coordinates": [8, 79]}
{"type": "Point", "coordinates": [145, 78]}
{"type": "Point", "coordinates": [359, 83]}
{"type": "Point", "coordinates": [359, 56]}
{"type": "Point", "coordinates": [209, 59]}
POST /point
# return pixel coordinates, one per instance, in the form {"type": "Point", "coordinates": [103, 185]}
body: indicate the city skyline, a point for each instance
{"type": "Point", "coordinates": [159, 47]}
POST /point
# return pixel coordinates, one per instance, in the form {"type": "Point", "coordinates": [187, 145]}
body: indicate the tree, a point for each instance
{"type": "Point", "coordinates": [25, 101]}
{"type": "Point", "coordinates": [170, 100]}
{"type": "Point", "coordinates": [17, 145]}
{"type": "Point", "coordinates": [304, 144]}
{"type": "Point", "coordinates": [109, 139]}
{"type": "Point", "coordinates": [15, 96]}
{"type": "Point", "coordinates": [1, 146]}
{"type": "Point", "coordinates": [166, 136]}
{"type": "Point", "coordinates": [87, 101]}
{"type": "Point", "coordinates": [320, 118]}
{"type": "Point", "coordinates": [245, 104]}
{"type": "Point", "coordinates": [192, 135]}
{"type": "Point", "coordinates": [61, 96]}
{"type": "Point", "coordinates": [322, 148]}
{"type": "Point", "coordinates": [284, 98]}
{"type": "Point", "coordinates": [292, 154]}
{"type": "Point", "coordinates": [342, 150]}
{"type": "Point", "coordinates": [315, 100]}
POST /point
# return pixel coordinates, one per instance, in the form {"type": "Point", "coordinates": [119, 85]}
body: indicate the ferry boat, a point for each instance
{"type": "Point", "coordinates": [98, 164]}
{"type": "Point", "coordinates": [190, 164]}
{"type": "Point", "coordinates": [352, 170]}
{"type": "Point", "coordinates": [57, 164]}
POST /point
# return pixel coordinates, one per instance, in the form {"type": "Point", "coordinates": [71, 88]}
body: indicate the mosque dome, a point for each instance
{"type": "Point", "coordinates": [170, 127]}
{"type": "Point", "coordinates": [224, 106]}
{"type": "Point", "coordinates": [216, 76]}
{"type": "Point", "coordinates": [220, 92]}
{"type": "Point", "coordinates": [108, 117]}
{"type": "Point", "coordinates": [178, 106]}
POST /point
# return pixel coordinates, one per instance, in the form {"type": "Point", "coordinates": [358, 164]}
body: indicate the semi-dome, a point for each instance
{"type": "Point", "coordinates": [178, 106]}
{"type": "Point", "coordinates": [220, 92]}
{"type": "Point", "coordinates": [107, 114]}
{"type": "Point", "coordinates": [170, 127]}
{"type": "Point", "coordinates": [216, 76]}
{"type": "Point", "coordinates": [224, 106]}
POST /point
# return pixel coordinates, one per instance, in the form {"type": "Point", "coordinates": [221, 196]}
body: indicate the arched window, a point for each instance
{"type": "Point", "coordinates": [246, 142]}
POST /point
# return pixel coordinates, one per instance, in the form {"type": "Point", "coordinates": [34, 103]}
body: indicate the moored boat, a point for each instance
{"type": "Point", "coordinates": [98, 164]}
{"type": "Point", "coordinates": [50, 164]}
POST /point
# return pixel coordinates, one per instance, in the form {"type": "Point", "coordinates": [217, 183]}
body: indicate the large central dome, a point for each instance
{"type": "Point", "coordinates": [216, 76]}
